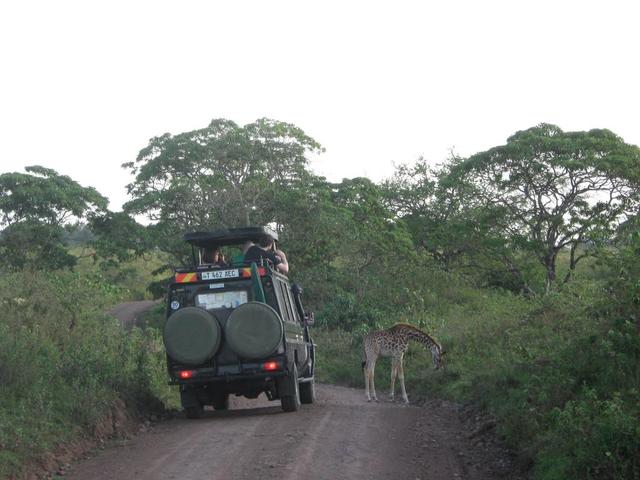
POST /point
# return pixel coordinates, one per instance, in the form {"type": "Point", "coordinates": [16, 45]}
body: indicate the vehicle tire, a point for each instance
{"type": "Point", "coordinates": [194, 411]}
{"type": "Point", "coordinates": [308, 391]}
{"type": "Point", "coordinates": [253, 330]}
{"type": "Point", "coordinates": [192, 335]}
{"type": "Point", "coordinates": [291, 403]}
{"type": "Point", "coordinates": [221, 401]}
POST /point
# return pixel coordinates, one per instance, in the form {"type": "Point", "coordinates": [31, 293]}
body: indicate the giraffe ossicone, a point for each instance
{"type": "Point", "coordinates": [394, 343]}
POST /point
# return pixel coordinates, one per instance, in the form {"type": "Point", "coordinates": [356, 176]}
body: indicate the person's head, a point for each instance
{"type": "Point", "coordinates": [265, 242]}
{"type": "Point", "coordinates": [211, 255]}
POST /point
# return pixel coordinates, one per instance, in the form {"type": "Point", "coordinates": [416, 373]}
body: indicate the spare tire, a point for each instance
{"type": "Point", "coordinates": [254, 330]}
{"type": "Point", "coordinates": [192, 335]}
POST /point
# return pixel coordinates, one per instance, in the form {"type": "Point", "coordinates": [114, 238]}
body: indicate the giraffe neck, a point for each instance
{"type": "Point", "coordinates": [412, 333]}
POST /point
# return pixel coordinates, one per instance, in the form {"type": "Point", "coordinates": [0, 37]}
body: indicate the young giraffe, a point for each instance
{"type": "Point", "coordinates": [394, 343]}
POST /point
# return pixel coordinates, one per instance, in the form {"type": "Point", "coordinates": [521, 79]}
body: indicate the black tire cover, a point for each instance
{"type": "Point", "coordinates": [192, 335]}
{"type": "Point", "coordinates": [254, 330]}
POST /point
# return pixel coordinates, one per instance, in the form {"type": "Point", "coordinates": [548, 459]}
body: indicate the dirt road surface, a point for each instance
{"type": "Point", "coordinates": [341, 436]}
{"type": "Point", "coordinates": [129, 312]}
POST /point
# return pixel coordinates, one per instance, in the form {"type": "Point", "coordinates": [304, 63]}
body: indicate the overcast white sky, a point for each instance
{"type": "Point", "coordinates": [84, 85]}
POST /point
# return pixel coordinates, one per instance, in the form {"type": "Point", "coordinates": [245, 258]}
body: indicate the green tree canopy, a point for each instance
{"type": "Point", "coordinates": [35, 208]}
{"type": "Point", "coordinates": [552, 190]}
{"type": "Point", "coordinates": [449, 223]}
{"type": "Point", "coordinates": [221, 175]}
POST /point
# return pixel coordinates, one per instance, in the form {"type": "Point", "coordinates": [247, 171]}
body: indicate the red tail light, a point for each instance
{"type": "Point", "coordinates": [184, 374]}
{"type": "Point", "coordinates": [270, 366]}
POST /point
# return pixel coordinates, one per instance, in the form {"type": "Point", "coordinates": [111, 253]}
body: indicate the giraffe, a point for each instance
{"type": "Point", "coordinates": [394, 343]}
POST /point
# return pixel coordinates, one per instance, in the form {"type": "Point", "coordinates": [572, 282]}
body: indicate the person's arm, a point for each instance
{"type": "Point", "coordinates": [283, 266]}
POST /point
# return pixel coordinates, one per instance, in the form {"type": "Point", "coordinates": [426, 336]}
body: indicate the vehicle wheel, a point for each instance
{"type": "Point", "coordinates": [308, 391]}
{"type": "Point", "coordinates": [253, 330]}
{"type": "Point", "coordinates": [291, 403]}
{"type": "Point", "coordinates": [192, 335]}
{"type": "Point", "coordinates": [194, 411]}
{"type": "Point", "coordinates": [221, 401]}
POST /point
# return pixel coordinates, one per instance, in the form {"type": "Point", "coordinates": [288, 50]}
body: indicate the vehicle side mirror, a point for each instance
{"type": "Point", "coordinates": [309, 319]}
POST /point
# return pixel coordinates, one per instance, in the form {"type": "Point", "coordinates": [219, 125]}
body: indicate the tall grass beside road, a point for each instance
{"type": "Point", "coordinates": [65, 363]}
{"type": "Point", "coordinates": [560, 373]}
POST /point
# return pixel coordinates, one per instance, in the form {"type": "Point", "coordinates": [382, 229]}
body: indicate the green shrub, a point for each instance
{"type": "Point", "coordinates": [561, 373]}
{"type": "Point", "coordinates": [64, 362]}
{"type": "Point", "coordinates": [593, 439]}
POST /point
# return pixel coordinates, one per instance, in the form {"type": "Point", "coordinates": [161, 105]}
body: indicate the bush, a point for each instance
{"type": "Point", "coordinates": [64, 362]}
{"type": "Point", "coordinates": [561, 373]}
{"type": "Point", "coordinates": [593, 439]}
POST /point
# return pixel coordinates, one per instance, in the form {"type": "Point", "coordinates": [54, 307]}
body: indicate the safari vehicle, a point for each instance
{"type": "Point", "coordinates": [239, 329]}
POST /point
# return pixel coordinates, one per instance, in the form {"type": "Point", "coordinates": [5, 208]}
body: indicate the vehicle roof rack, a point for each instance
{"type": "Point", "coordinates": [229, 236]}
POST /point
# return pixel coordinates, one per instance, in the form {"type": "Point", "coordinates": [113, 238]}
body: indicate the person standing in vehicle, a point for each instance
{"type": "Point", "coordinates": [264, 250]}
{"type": "Point", "coordinates": [213, 256]}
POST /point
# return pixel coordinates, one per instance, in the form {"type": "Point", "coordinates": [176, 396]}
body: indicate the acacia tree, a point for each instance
{"type": "Point", "coordinates": [221, 175]}
{"type": "Point", "coordinates": [35, 207]}
{"type": "Point", "coordinates": [555, 190]}
{"type": "Point", "coordinates": [449, 222]}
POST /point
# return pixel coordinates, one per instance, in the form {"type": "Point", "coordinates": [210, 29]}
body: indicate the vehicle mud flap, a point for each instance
{"type": "Point", "coordinates": [289, 390]}
{"type": "Point", "coordinates": [191, 406]}
{"type": "Point", "coordinates": [188, 398]}
{"type": "Point", "coordinates": [308, 390]}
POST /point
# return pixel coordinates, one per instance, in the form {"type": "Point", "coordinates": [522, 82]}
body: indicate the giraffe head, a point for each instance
{"type": "Point", "coordinates": [437, 354]}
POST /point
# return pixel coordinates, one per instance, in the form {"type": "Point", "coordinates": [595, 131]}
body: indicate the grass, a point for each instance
{"type": "Point", "coordinates": [561, 373]}
{"type": "Point", "coordinates": [132, 277]}
{"type": "Point", "coordinates": [561, 377]}
{"type": "Point", "coordinates": [64, 363]}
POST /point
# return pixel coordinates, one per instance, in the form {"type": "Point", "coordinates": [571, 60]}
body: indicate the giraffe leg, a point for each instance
{"type": "Point", "coordinates": [372, 380]}
{"type": "Point", "coordinates": [394, 374]}
{"type": "Point", "coordinates": [404, 392]}
{"type": "Point", "coordinates": [366, 381]}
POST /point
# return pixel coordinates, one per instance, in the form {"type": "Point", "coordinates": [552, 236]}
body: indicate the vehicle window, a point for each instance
{"type": "Point", "coordinates": [287, 303]}
{"type": "Point", "coordinates": [283, 311]}
{"type": "Point", "coordinates": [215, 300]}
{"type": "Point", "coordinates": [292, 306]}
{"type": "Point", "coordinates": [270, 294]}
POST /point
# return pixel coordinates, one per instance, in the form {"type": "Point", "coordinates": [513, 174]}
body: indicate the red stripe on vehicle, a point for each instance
{"type": "Point", "coordinates": [186, 277]}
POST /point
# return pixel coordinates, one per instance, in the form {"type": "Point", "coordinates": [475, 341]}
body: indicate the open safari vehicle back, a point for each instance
{"type": "Point", "coordinates": [236, 329]}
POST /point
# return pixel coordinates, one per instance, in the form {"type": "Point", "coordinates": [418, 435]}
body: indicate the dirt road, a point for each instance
{"type": "Point", "coordinates": [129, 312]}
{"type": "Point", "coordinates": [339, 437]}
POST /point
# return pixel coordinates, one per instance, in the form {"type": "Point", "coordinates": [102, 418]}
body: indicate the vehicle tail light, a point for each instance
{"type": "Point", "coordinates": [185, 374]}
{"type": "Point", "coordinates": [271, 366]}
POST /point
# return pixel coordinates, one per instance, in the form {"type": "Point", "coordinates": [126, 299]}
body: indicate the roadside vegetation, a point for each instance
{"type": "Point", "coordinates": [524, 262]}
{"type": "Point", "coordinates": [65, 363]}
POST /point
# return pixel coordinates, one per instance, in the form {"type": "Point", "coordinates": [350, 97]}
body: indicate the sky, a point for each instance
{"type": "Point", "coordinates": [85, 85]}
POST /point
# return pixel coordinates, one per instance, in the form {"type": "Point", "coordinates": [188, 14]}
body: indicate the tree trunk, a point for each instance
{"type": "Point", "coordinates": [572, 262]}
{"type": "Point", "coordinates": [550, 264]}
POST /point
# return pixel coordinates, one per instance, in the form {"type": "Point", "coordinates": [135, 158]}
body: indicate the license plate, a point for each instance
{"type": "Point", "coordinates": [220, 274]}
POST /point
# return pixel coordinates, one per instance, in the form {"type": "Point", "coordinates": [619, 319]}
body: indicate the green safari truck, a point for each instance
{"type": "Point", "coordinates": [236, 329]}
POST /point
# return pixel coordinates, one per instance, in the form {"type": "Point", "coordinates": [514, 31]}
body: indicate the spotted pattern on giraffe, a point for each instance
{"type": "Point", "coordinates": [394, 343]}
